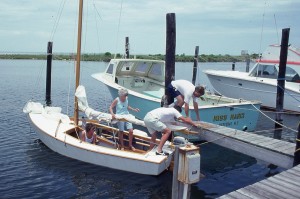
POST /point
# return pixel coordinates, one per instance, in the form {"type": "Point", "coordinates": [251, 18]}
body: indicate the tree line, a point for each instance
{"type": "Point", "coordinates": [107, 56]}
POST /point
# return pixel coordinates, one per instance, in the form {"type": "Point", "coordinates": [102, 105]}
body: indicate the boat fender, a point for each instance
{"type": "Point", "coordinates": [180, 141]}
{"type": "Point", "coordinates": [245, 128]}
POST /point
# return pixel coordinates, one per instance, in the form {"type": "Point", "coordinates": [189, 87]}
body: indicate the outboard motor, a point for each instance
{"type": "Point", "coordinates": [181, 141]}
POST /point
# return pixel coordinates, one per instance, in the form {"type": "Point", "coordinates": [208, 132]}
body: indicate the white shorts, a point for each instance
{"type": "Point", "coordinates": [153, 124]}
{"type": "Point", "coordinates": [121, 126]}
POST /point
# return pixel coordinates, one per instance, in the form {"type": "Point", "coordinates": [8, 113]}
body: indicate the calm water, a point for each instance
{"type": "Point", "coordinates": [28, 169]}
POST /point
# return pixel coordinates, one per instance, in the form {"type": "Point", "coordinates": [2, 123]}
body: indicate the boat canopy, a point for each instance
{"type": "Point", "coordinates": [268, 64]}
{"type": "Point", "coordinates": [153, 69]}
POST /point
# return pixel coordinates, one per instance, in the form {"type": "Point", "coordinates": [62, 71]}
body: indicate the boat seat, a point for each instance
{"type": "Point", "coordinates": [156, 94]}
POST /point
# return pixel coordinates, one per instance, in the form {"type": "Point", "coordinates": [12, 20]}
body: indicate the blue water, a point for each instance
{"type": "Point", "coordinates": [28, 169]}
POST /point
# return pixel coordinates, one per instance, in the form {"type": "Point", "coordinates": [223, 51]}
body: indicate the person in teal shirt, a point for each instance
{"type": "Point", "coordinates": [122, 108]}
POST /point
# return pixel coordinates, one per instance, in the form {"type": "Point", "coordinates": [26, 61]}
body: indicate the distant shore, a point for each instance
{"type": "Point", "coordinates": [106, 57]}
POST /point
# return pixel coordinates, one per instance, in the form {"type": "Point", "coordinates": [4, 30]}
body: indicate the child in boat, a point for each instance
{"type": "Point", "coordinates": [89, 134]}
{"type": "Point", "coordinates": [155, 122]}
{"type": "Point", "coordinates": [122, 107]}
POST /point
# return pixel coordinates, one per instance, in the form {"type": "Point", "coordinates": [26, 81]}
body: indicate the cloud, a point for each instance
{"type": "Point", "coordinates": [219, 26]}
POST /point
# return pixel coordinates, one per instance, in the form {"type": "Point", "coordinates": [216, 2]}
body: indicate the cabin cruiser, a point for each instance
{"type": "Point", "coordinates": [145, 81]}
{"type": "Point", "coordinates": [261, 82]}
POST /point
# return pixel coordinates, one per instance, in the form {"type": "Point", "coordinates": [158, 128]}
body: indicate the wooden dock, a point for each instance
{"type": "Point", "coordinates": [278, 152]}
{"type": "Point", "coordinates": [283, 185]}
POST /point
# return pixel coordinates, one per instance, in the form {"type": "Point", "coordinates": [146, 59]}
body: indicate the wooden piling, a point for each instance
{"type": "Point", "coordinates": [127, 47]}
{"type": "Point", "coordinates": [247, 62]}
{"type": "Point", "coordinates": [297, 149]}
{"type": "Point", "coordinates": [233, 66]}
{"type": "Point", "coordinates": [175, 182]}
{"type": "Point", "coordinates": [281, 82]}
{"type": "Point", "coordinates": [48, 74]}
{"type": "Point", "coordinates": [195, 67]}
{"type": "Point", "coordinates": [170, 53]}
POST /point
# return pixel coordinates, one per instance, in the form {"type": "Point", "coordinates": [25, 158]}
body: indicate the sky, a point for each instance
{"type": "Point", "coordinates": [216, 26]}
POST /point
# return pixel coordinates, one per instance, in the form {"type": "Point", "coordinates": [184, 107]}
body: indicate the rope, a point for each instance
{"type": "Point", "coordinates": [288, 93]}
{"type": "Point", "coordinates": [274, 120]}
{"type": "Point", "coordinates": [207, 142]}
{"type": "Point", "coordinates": [118, 28]}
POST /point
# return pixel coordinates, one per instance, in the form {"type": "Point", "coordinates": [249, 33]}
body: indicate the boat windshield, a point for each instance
{"type": "Point", "coordinates": [266, 71]}
{"type": "Point", "coordinates": [271, 72]}
{"type": "Point", "coordinates": [291, 75]}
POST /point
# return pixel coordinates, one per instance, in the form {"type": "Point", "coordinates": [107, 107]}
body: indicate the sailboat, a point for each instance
{"type": "Point", "coordinates": [60, 133]}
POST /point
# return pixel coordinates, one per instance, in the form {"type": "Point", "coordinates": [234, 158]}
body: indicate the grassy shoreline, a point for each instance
{"type": "Point", "coordinates": [107, 56]}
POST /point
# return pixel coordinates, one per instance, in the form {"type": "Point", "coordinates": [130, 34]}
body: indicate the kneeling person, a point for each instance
{"type": "Point", "coordinates": [155, 122]}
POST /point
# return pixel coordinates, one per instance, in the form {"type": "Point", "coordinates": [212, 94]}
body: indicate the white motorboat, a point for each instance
{"type": "Point", "coordinates": [261, 82]}
{"type": "Point", "coordinates": [145, 81]}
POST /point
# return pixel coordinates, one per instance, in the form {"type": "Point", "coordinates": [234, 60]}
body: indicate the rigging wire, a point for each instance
{"type": "Point", "coordinates": [117, 41]}
{"type": "Point", "coordinates": [262, 27]}
{"type": "Point", "coordinates": [276, 28]}
{"type": "Point", "coordinates": [57, 19]}
{"type": "Point", "coordinates": [96, 21]}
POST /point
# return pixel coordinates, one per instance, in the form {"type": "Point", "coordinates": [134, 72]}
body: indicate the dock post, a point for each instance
{"type": "Point", "coordinates": [297, 149]}
{"type": "Point", "coordinates": [127, 47]}
{"type": "Point", "coordinates": [195, 67]}
{"type": "Point", "coordinates": [175, 182]}
{"type": "Point", "coordinates": [247, 62]}
{"type": "Point", "coordinates": [233, 66]}
{"type": "Point", "coordinates": [48, 73]}
{"type": "Point", "coordinates": [170, 54]}
{"type": "Point", "coordinates": [281, 82]}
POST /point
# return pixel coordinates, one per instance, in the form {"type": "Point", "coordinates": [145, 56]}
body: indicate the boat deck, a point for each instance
{"type": "Point", "coordinates": [283, 185]}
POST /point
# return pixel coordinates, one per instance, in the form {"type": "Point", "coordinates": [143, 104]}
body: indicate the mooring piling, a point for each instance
{"type": "Point", "coordinates": [48, 73]}
{"type": "Point", "coordinates": [195, 67]}
{"type": "Point", "coordinates": [281, 82]}
{"type": "Point", "coordinates": [247, 62]}
{"type": "Point", "coordinates": [297, 149]}
{"type": "Point", "coordinates": [127, 47]}
{"type": "Point", "coordinates": [170, 54]}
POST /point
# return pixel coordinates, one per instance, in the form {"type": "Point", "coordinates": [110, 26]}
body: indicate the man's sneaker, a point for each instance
{"type": "Point", "coordinates": [161, 153]}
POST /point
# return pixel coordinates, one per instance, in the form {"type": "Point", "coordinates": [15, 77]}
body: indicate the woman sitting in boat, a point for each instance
{"type": "Point", "coordinates": [122, 107]}
{"type": "Point", "coordinates": [89, 134]}
{"type": "Point", "coordinates": [155, 122]}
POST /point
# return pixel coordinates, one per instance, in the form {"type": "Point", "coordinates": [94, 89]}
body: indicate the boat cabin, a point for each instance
{"type": "Point", "coordinates": [270, 71]}
{"type": "Point", "coordinates": [143, 76]}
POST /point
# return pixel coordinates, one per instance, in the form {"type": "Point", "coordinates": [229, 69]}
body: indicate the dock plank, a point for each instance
{"type": "Point", "coordinates": [285, 191]}
{"type": "Point", "coordinates": [270, 150]}
{"type": "Point", "coordinates": [251, 194]}
{"type": "Point", "coordinates": [283, 185]}
{"type": "Point", "coordinates": [238, 195]}
{"type": "Point", "coordinates": [271, 190]}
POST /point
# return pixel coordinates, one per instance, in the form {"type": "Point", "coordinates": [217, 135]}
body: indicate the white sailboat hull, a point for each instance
{"type": "Point", "coordinates": [240, 85]}
{"type": "Point", "coordinates": [53, 135]}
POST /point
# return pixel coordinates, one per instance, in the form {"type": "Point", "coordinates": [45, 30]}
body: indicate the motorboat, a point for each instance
{"type": "Point", "coordinates": [261, 82]}
{"type": "Point", "coordinates": [145, 79]}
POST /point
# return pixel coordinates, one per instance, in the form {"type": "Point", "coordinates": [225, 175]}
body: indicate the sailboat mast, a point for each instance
{"type": "Point", "coordinates": [78, 59]}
